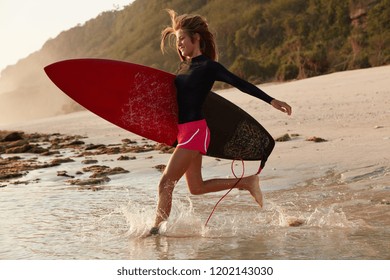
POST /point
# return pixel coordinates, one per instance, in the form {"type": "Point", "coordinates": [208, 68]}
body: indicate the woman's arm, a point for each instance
{"type": "Point", "coordinates": [224, 75]}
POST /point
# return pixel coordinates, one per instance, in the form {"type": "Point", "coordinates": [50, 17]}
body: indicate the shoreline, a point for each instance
{"type": "Point", "coordinates": [322, 199]}
{"type": "Point", "coordinates": [349, 110]}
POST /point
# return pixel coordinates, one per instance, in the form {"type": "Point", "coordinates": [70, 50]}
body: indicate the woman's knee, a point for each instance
{"type": "Point", "coordinates": [196, 188]}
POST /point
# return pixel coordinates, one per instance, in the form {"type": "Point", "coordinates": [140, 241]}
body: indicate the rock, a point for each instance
{"type": "Point", "coordinates": [13, 158]}
{"type": "Point", "coordinates": [128, 141]}
{"type": "Point", "coordinates": [19, 149]}
{"type": "Point", "coordinates": [91, 181]}
{"type": "Point", "coordinates": [316, 139]}
{"type": "Point", "coordinates": [12, 136]}
{"type": "Point", "coordinates": [94, 147]}
{"type": "Point", "coordinates": [95, 168]}
{"type": "Point", "coordinates": [89, 161]}
{"type": "Point", "coordinates": [50, 153]}
{"type": "Point", "coordinates": [140, 149]}
{"type": "Point", "coordinates": [11, 175]}
{"type": "Point", "coordinates": [286, 137]}
{"type": "Point", "coordinates": [126, 158]}
{"type": "Point", "coordinates": [17, 143]}
{"type": "Point", "coordinates": [109, 171]}
{"type": "Point", "coordinates": [64, 174]}
{"type": "Point", "coordinates": [23, 146]}
{"type": "Point", "coordinates": [296, 223]}
{"type": "Point", "coordinates": [35, 149]}
{"type": "Point", "coordinates": [169, 151]}
{"type": "Point", "coordinates": [111, 151]}
{"type": "Point", "coordinates": [165, 149]}
{"type": "Point", "coordinates": [75, 143]}
{"type": "Point", "coordinates": [160, 167]}
{"type": "Point", "coordinates": [102, 171]}
{"type": "Point", "coordinates": [43, 165]}
{"type": "Point", "coordinates": [58, 161]}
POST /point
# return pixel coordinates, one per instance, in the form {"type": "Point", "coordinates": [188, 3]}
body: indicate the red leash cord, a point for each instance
{"type": "Point", "coordinates": [238, 181]}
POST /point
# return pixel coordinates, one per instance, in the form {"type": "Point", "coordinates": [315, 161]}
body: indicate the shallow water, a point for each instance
{"type": "Point", "coordinates": [326, 218]}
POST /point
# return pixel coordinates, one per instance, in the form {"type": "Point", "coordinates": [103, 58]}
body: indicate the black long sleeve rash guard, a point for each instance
{"type": "Point", "coordinates": [195, 82]}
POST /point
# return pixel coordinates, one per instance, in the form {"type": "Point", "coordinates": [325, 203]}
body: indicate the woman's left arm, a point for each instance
{"type": "Point", "coordinates": [224, 75]}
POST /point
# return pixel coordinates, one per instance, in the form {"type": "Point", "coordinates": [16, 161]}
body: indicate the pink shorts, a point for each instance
{"type": "Point", "coordinates": [194, 136]}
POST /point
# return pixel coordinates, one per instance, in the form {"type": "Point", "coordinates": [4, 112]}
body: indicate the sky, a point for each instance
{"type": "Point", "coordinates": [25, 25]}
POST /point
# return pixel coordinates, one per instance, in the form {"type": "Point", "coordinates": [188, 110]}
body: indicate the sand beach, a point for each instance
{"type": "Point", "coordinates": [78, 187]}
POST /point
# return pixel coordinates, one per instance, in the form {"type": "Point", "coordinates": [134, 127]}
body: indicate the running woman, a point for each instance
{"type": "Point", "coordinates": [199, 70]}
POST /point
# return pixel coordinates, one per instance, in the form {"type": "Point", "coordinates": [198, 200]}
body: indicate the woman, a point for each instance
{"type": "Point", "coordinates": [199, 70]}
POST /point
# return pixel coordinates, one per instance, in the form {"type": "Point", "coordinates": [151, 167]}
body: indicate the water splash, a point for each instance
{"type": "Point", "coordinates": [135, 220]}
{"type": "Point", "coordinates": [329, 217]}
{"type": "Point", "coordinates": [185, 221]}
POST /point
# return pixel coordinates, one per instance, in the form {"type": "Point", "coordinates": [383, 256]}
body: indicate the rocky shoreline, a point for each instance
{"type": "Point", "coordinates": [22, 152]}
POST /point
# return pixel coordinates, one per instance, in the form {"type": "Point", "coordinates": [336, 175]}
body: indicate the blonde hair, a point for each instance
{"type": "Point", "coordinates": [191, 24]}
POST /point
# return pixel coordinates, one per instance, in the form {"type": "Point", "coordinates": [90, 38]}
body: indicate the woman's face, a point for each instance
{"type": "Point", "coordinates": [187, 47]}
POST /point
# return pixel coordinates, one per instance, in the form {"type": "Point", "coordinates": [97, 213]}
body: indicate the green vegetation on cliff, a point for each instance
{"type": "Point", "coordinates": [260, 40]}
{"type": "Point", "coordinates": [283, 39]}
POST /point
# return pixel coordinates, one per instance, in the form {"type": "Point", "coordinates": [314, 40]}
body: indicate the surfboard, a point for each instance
{"type": "Point", "coordinates": [142, 100]}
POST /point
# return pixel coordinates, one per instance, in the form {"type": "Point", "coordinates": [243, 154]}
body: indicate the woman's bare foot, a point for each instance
{"type": "Point", "coordinates": [253, 186]}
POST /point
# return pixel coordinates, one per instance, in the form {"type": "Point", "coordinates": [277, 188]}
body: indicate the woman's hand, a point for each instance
{"type": "Point", "coordinates": [281, 106]}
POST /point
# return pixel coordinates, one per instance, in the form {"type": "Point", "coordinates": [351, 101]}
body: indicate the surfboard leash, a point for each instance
{"type": "Point", "coordinates": [238, 181]}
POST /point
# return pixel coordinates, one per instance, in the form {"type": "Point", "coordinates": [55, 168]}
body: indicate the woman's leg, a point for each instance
{"type": "Point", "coordinates": [189, 162]}
{"type": "Point", "coordinates": [197, 186]}
{"type": "Point", "coordinates": [178, 164]}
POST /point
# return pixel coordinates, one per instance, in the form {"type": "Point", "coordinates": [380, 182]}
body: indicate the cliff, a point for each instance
{"type": "Point", "coordinates": [258, 40]}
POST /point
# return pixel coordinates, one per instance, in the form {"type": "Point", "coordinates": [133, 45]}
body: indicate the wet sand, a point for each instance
{"type": "Point", "coordinates": [328, 176]}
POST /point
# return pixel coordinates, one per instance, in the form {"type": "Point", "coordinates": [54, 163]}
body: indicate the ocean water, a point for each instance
{"type": "Point", "coordinates": [322, 201]}
{"type": "Point", "coordinates": [335, 216]}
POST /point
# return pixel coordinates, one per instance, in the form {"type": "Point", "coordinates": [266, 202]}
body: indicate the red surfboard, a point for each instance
{"type": "Point", "coordinates": [142, 100]}
{"type": "Point", "coordinates": [128, 95]}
